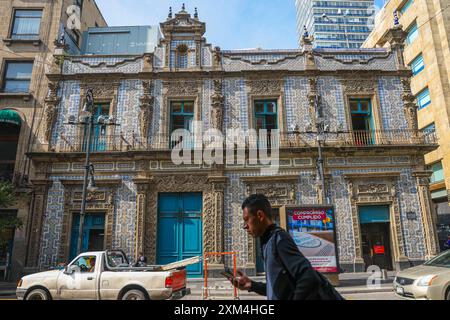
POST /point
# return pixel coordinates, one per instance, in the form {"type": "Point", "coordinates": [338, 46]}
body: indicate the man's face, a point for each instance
{"type": "Point", "coordinates": [253, 223]}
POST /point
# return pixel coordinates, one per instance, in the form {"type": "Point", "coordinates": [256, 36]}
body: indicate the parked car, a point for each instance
{"type": "Point", "coordinates": [107, 275]}
{"type": "Point", "coordinates": [430, 281]}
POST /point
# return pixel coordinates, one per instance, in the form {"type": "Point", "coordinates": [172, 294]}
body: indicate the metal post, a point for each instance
{"type": "Point", "coordinates": [86, 177]}
{"type": "Point", "coordinates": [320, 162]}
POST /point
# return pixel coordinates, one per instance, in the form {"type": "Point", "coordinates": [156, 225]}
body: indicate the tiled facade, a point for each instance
{"type": "Point", "coordinates": [131, 179]}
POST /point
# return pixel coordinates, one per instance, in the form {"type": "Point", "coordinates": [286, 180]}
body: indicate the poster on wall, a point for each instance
{"type": "Point", "coordinates": [313, 229]}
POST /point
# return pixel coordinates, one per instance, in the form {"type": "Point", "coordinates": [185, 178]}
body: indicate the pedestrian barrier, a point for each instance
{"type": "Point", "coordinates": [206, 292]}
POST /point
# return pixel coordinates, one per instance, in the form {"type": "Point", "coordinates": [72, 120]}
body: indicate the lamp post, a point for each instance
{"type": "Point", "coordinates": [88, 115]}
{"type": "Point", "coordinates": [321, 130]}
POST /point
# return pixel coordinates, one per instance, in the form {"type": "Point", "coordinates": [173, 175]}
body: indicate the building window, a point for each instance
{"type": "Point", "coordinates": [417, 65]}
{"type": "Point", "coordinates": [438, 172]}
{"type": "Point", "coordinates": [362, 121]}
{"type": "Point", "coordinates": [181, 117]}
{"type": "Point", "coordinates": [413, 33]}
{"type": "Point", "coordinates": [406, 6]}
{"type": "Point", "coordinates": [266, 117]}
{"type": "Point", "coordinates": [26, 24]}
{"type": "Point", "coordinates": [423, 99]}
{"type": "Point", "coordinates": [17, 77]}
{"type": "Point", "coordinates": [182, 56]}
{"type": "Point", "coordinates": [266, 114]}
{"type": "Point", "coordinates": [429, 129]}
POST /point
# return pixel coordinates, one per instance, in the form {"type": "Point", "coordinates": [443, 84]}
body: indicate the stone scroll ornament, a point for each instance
{"type": "Point", "coordinates": [409, 105]}
{"type": "Point", "coordinates": [146, 108]}
{"type": "Point", "coordinates": [50, 112]}
{"type": "Point", "coordinates": [217, 101]}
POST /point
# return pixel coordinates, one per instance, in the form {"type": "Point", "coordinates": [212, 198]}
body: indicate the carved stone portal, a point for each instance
{"type": "Point", "coordinates": [382, 191]}
{"type": "Point", "coordinates": [212, 189]}
{"type": "Point", "coordinates": [279, 194]}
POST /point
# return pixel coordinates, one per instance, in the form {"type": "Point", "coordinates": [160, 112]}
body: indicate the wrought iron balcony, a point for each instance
{"type": "Point", "coordinates": [285, 140]}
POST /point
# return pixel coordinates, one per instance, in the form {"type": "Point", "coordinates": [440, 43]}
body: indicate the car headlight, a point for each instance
{"type": "Point", "coordinates": [19, 284]}
{"type": "Point", "coordinates": [426, 281]}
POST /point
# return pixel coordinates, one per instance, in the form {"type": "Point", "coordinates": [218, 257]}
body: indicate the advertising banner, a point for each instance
{"type": "Point", "coordinates": [313, 230]}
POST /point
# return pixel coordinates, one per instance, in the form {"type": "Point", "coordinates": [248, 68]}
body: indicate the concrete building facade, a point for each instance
{"type": "Point", "coordinates": [427, 52]}
{"type": "Point", "coordinates": [145, 202]}
{"type": "Point", "coordinates": [28, 31]}
{"type": "Point", "coordinates": [335, 23]}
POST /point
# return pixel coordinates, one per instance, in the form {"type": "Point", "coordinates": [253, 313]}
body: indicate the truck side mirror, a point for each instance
{"type": "Point", "coordinates": [70, 269]}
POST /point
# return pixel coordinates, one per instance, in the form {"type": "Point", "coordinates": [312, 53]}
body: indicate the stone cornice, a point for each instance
{"type": "Point", "coordinates": [105, 182]}
{"type": "Point", "coordinates": [388, 174]}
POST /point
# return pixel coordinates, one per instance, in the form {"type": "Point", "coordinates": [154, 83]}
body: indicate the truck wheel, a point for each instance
{"type": "Point", "coordinates": [37, 294]}
{"type": "Point", "coordinates": [447, 294]}
{"type": "Point", "coordinates": [134, 294]}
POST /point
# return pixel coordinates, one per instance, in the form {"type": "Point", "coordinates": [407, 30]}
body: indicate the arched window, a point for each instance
{"type": "Point", "coordinates": [182, 56]}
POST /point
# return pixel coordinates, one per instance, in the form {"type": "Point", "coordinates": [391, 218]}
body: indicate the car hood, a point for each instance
{"type": "Point", "coordinates": [46, 274]}
{"type": "Point", "coordinates": [421, 271]}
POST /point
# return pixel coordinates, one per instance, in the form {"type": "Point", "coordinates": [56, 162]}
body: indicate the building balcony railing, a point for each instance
{"type": "Point", "coordinates": [285, 140]}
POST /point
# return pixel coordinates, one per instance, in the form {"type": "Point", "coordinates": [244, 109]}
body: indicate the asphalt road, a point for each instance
{"type": "Point", "coordinates": [358, 296]}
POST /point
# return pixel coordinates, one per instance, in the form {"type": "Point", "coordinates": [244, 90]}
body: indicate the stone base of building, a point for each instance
{"type": "Point", "coordinates": [402, 265]}
{"type": "Point", "coordinates": [352, 267]}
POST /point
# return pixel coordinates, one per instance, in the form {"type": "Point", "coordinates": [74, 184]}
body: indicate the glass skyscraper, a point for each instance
{"type": "Point", "coordinates": [337, 23]}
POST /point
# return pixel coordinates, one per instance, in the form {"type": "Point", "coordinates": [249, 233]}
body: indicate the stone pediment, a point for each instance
{"type": "Point", "coordinates": [182, 23]}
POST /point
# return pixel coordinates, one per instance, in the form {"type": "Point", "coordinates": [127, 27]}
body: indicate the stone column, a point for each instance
{"type": "Point", "coordinates": [141, 210]}
{"type": "Point", "coordinates": [213, 219]}
{"type": "Point", "coordinates": [37, 216]}
{"type": "Point", "coordinates": [429, 224]}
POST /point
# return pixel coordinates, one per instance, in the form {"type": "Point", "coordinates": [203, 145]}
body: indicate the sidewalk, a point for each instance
{"type": "Point", "coordinates": [350, 283]}
{"type": "Point", "coordinates": [7, 289]}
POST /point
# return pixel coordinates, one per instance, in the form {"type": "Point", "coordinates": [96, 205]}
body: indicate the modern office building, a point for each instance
{"type": "Point", "coordinates": [427, 53]}
{"type": "Point", "coordinates": [374, 166]}
{"type": "Point", "coordinates": [121, 40]}
{"type": "Point", "coordinates": [28, 31]}
{"type": "Point", "coordinates": [337, 23]}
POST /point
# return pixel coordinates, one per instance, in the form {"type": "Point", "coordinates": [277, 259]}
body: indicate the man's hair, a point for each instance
{"type": "Point", "coordinates": [258, 202]}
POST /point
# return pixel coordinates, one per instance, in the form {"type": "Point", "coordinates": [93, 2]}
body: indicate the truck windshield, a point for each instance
{"type": "Point", "coordinates": [442, 260]}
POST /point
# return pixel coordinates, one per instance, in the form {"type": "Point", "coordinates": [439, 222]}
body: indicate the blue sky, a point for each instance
{"type": "Point", "coordinates": [230, 24]}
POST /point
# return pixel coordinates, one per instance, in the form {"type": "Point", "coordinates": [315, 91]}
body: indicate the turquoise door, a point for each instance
{"type": "Point", "coordinates": [93, 234]}
{"type": "Point", "coordinates": [180, 229]}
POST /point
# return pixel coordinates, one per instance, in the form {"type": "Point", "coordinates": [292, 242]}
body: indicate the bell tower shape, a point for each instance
{"type": "Point", "coordinates": [183, 41]}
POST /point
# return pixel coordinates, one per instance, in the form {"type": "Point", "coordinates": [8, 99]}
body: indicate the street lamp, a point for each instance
{"type": "Point", "coordinates": [86, 114]}
{"type": "Point", "coordinates": [346, 13]}
{"type": "Point", "coordinates": [86, 117]}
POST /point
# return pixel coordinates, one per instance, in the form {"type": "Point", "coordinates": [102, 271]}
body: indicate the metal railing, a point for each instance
{"type": "Point", "coordinates": [132, 142]}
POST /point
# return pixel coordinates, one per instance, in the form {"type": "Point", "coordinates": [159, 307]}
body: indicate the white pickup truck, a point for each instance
{"type": "Point", "coordinates": [107, 275]}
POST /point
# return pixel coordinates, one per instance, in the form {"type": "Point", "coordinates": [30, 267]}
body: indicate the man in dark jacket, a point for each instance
{"type": "Point", "coordinates": [289, 275]}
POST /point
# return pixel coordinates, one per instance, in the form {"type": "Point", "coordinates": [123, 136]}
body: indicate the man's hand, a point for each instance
{"type": "Point", "coordinates": [242, 282]}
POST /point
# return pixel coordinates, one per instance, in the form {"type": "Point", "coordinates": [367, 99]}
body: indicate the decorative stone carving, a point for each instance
{"type": "Point", "coordinates": [217, 56]}
{"type": "Point", "coordinates": [217, 100]}
{"type": "Point", "coordinates": [50, 113]}
{"type": "Point", "coordinates": [409, 105]}
{"type": "Point", "coordinates": [265, 87]}
{"type": "Point", "coordinates": [103, 89]}
{"type": "Point", "coordinates": [359, 86]}
{"type": "Point", "coordinates": [372, 188]}
{"type": "Point", "coordinates": [312, 98]}
{"type": "Point", "coordinates": [181, 88]}
{"type": "Point", "coordinates": [146, 106]}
